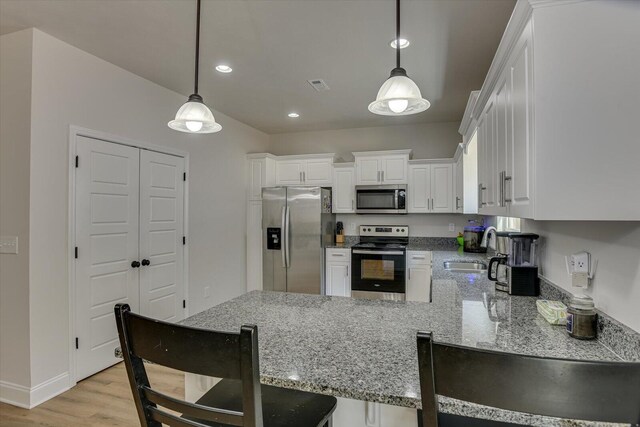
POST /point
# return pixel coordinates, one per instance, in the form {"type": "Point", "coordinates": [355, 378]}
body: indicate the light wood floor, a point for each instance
{"type": "Point", "coordinates": [101, 400]}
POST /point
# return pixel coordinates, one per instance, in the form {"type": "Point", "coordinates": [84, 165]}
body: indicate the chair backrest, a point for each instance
{"type": "Point", "coordinates": [198, 351]}
{"type": "Point", "coordinates": [563, 388]}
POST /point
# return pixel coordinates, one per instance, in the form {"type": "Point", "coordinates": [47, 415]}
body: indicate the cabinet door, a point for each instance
{"type": "Point", "coordinates": [318, 172]}
{"type": "Point", "coordinates": [490, 156]}
{"type": "Point", "coordinates": [289, 172]}
{"type": "Point", "coordinates": [458, 202]}
{"type": "Point", "coordinates": [368, 171]}
{"type": "Point", "coordinates": [482, 166]}
{"type": "Point", "coordinates": [394, 169]}
{"type": "Point", "coordinates": [442, 188]}
{"type": "Point", "coordinates": [338, 279]}
{"type": "Point", "coordinates": [419, 276]}
{"type": "Point", "coordinates": [344, 190]}
{"type": "Point", "coordinates": [519, 190]}
{"type": "Point", "coordinates": [503, 134]}
{"type": "Point", "coordinates": [418, 189]}
{"type": "Point", "coordinates": [256, 178]}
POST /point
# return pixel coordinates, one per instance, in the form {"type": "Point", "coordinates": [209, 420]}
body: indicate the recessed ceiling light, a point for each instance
{"type": "Point", "coordinates": [293, 115]}
{"type": "Point", "coordinates": [403, 43]}
{"type": "Point", "coordinates": [224, 68]}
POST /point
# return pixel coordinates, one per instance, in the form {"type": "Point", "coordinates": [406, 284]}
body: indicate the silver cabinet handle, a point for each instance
{"type": "Point", "coordinates": [341, 255]}
{"type": "Point", "coordinates": [382, 174]}
{"type": "Point", "coordinates": [457, 202]}
{"type": "Point", "coordinates": [346, 274]}
{"type": "Point", "coordinates": [418, 257]}
{"type": "Point", "coordinates": [504, 196]}
{"type": "Point", "coordinates": [304, 177]}
{"type": "Point", "coordinates": [501, 189]}
{"type": "Point", "coordinates": [481, 188]}
{"type": "Point", "coordinates": [351, 204]}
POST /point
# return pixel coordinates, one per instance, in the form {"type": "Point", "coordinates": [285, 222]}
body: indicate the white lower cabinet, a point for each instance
{"type": "Point", "coordinates": [418, 276]}
{"type": "Point", "coordinates": [357, 413]}
{"type": "Point", "coordinates": [338, 272]}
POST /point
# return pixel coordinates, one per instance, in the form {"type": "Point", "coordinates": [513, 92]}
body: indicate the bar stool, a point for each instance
{"type": "Point", "coordinates": [237, 400]}
{"type": "Point", "coordinates": [563, 388]}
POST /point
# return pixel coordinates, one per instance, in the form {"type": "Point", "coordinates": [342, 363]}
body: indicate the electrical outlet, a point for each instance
{"type": "Point", "coordinates": [207, 291]}
{"type": "Point", "coordinates": [452, 227]}
{"type": "Point", "coordinates": [580, 262]}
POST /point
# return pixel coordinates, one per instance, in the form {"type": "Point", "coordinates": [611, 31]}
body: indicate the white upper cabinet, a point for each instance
{"type": "Point", "coordinates": [304, 170]}
{"type": "Point", "coordinates": [442, 188]}
{"type": "Point", "coordinates": [382, 167]}
{"type": "Point", "coordinates": [557, 138]}
{"type": "Point", "coordinates": [261, 174]}
{"type": "Point", "coordinates": [430, 187]}
{"type": "Point", "coordinates": [419, 188]}
{"type": "Point", "coordinates": [344, 188]}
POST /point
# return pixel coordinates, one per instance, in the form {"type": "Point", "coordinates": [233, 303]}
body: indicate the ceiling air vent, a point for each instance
{"type": "Point", "coordinates": [319, 85]}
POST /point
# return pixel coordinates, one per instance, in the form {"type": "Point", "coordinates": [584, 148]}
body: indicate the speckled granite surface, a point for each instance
{"type": "Point", "coordinates": [366, 350]}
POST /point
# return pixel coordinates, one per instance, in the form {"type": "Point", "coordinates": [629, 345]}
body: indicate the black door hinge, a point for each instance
{"type": "Point", "coordinates": [76, 252]}
{"type": "Point", "coordinates": [184, 304]}
{"type": "Point", "coordinates": [184, 240]}
{"type": "Point", "coordinates": [77, 346]}
{"type": "Point", "coordinates": [77, 161]}
{"type": "Point", "coordinates": [184, 176]}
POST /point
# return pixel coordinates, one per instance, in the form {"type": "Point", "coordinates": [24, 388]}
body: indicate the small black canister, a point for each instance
{"type": "Point", "coordinates": [582, 319]}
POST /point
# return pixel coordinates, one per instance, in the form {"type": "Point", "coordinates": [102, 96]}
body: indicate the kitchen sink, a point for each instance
{"type": "Point", "coordinates": [466, 266]}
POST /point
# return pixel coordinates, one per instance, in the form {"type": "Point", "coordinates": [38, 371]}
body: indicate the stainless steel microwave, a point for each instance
{"type": "Point", "coordinates": [381, 199]}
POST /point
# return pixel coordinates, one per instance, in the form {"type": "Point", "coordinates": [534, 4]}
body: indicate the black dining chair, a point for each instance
{"type": "Point", "coordinates": [562, 388]}
{"type": "Point", "coordinates": [237, 400]}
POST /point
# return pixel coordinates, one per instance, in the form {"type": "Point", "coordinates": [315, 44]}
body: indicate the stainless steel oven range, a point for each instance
{"type": "Point", "coordinates": [378, 262]}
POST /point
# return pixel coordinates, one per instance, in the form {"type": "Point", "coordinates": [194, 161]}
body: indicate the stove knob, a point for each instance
{"type": "Point", "coordinates": [397, 229]}
{"type": "Point", "coordinates": [403, 230]}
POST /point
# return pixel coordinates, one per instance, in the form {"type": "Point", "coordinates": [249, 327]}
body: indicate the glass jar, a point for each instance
{"type": "Point", "coordinates": [582, 319]}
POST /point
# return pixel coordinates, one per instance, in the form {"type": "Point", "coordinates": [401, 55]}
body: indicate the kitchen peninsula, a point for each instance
{"type": "Point", "coordinates": [366, 350]}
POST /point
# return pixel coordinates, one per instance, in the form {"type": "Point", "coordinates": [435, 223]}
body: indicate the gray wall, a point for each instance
{"type": "Point", "coordinates": [428, 140]}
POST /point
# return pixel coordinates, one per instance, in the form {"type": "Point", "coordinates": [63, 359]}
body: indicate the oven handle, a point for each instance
{"type": "Point", "coordinates": [377, 252]}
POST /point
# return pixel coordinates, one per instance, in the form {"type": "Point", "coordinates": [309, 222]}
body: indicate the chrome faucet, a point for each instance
{"type": "Point", "coordinates": [485, 237]}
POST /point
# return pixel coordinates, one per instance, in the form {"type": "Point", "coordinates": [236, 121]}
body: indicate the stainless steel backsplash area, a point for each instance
{"type": "Point", "coordinates": [422, 225]}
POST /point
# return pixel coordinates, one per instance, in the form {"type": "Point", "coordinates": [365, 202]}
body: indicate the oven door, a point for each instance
{"type": "Point", "coordinates": [378, 271]}
{"type": "Point", "coordinates": [380, 199]}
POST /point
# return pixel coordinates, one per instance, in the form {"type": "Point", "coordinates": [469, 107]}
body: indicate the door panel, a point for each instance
{"type": "Point", "coordinates": [161, 231]}
{"type": "Point", "coordinates": [305, 249]}
{"type": "Point", "coordinates": [503, 134]}
{"type": "Point", "coordinates": [274, 274]}
{"type": "Point", "coordinates": [520, 189]}
{"type": "Point", "coordinates": [289, 172]}
{"type": "Point", "coordinates": [318, 172]}
{"type": "Point", "coordinates": [442, 188]}
{"type": "Point", "coordinates": [367, 170]}
{"type": "Point", "coordinates": [419, 188]}
{"type": "Point", "coordinates": [107, 186]}
{"type": "Point", "coordinates": [395, 170]}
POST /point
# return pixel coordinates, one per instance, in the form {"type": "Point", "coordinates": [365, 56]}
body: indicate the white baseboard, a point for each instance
{"type": "Point", "coordinates": [25, 397]}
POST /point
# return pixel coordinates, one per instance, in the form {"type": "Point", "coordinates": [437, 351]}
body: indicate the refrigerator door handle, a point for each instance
{"type": "Point", "coordinates": [286, 237]}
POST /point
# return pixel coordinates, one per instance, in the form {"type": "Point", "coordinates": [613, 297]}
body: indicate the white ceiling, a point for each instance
{"type": "Point", "coordinates": [275, 46]}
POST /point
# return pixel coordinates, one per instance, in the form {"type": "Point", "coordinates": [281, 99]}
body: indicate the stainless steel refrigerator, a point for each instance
{"type": "Point", "coordinates": [297, 224]}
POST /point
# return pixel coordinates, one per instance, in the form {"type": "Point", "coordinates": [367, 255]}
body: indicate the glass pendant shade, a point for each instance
{"type": "Point", "coordinates": [399, 96]}
{"type": "Point", "coordinates": [195, 117]}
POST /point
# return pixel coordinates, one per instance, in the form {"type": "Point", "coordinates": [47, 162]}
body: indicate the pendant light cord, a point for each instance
{"type": "Point", "coordinates": [397, 33]}
{"type": "Point", "coordinates": [197, 66]}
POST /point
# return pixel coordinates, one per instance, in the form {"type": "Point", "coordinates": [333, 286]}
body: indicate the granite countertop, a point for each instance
{"type": "Point", "coordinates": [366, 350]}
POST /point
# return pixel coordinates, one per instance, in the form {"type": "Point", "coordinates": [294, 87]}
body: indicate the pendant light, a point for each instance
{"type": "Point", "coordinates": [399, 95]}
{"type": "Point", "coordinates": [194, 116]}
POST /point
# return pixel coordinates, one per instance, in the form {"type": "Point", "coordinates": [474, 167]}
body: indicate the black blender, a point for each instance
{"type": "Point", "coordinates": [522, 264]}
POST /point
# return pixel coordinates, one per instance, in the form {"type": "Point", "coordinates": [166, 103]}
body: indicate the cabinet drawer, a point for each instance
{"type": "Point", "coordinates": [418, 258]}
{"type": "Point", "coordinates": [338, 254]}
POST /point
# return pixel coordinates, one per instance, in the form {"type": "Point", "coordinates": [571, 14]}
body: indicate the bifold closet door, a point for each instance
{"type": "Point", "coordinates": [107, 235]}
{"type": "Point", "coordinates": [161, 236]}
